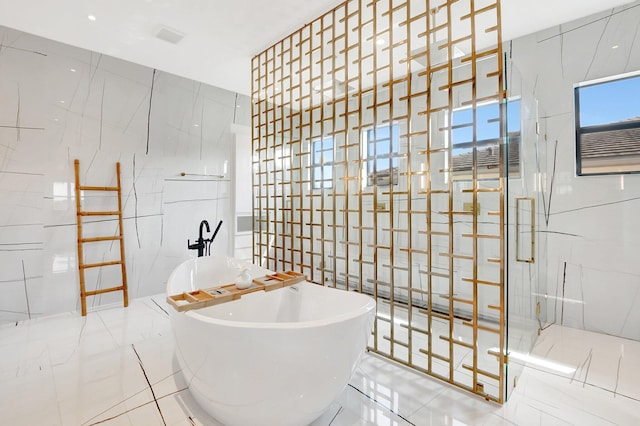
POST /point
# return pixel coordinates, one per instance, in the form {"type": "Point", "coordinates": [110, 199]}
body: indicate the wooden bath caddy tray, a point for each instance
{"type": "Point", "coordinates": [213, 296]}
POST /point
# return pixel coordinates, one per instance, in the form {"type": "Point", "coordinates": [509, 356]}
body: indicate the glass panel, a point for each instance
{"type": "Point", "coordinates": [608, 126]}
{"type": "Point", "coordinates": [382, 151]}
{"type": "Point", "coordinates": [487, 142]}
{"type": "Point", "coordinates": [526, 283]}
{"type": "Point", "coordinates": [609, 102]}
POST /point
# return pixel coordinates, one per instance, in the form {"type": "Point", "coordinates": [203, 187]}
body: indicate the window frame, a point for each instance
{"type": "Point", "coordinates": [600, 128]}
{"type": "Point", "coordinates": [504, 135]}
{"type": "Point", "coordinates": [318, 178]}
{"type": "Point", "coordinates": [394, 156]}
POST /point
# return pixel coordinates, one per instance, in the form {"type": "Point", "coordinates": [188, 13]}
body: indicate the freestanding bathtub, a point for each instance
{"type": "Point", "coordinates": [270, 358]}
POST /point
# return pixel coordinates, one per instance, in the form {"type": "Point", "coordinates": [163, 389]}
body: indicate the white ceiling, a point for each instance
{"type": "Point", "coordinates": [221, 36]}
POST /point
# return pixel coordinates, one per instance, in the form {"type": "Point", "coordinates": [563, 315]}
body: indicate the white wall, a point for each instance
{"type": "Point", "coordinates": [593, 227]}
{"type": "Point", "coordinates": [58, 103]}
{"type": "Point", "coordinates": [243, 188]}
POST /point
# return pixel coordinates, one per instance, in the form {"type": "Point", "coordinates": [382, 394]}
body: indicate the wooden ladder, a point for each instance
{"type": "Point", "coordinates": [81, 240]}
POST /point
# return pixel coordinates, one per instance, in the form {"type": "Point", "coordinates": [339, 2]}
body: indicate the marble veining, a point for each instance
{"type": "Point", "coordinates": [590, 222]}
{"type": "Point", "coordinates": [61, 103]}
{"type": "Point", "coordinates": [117, 366]}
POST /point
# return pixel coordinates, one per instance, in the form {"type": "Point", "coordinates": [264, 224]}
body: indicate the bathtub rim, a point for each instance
{"type": "Point", "coordinates": [359, 311]}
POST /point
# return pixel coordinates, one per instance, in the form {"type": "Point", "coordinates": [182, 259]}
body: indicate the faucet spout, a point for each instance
{"type": "Point", "coordinates": [203, 223]}
{"type": "Point", "coordinates": [203, 245]}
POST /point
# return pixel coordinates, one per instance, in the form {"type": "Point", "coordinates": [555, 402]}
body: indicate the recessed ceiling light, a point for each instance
{"type": "Point", "coordinates": [72, 70]}
{"type": "Point", "coordinates": [196, 125]}
{"type": "Point", "coordinates": [91, 17]}
{"type": "Point", "coordinates": [615, 46]}
{"type": "Point", "coordinates": [61, 102]}
{"type": "Point", "coordinates": [381, 41]}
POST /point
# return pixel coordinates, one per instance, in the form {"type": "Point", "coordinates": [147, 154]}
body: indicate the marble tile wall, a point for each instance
{"type": "Point", "coordinates": [592, 227]}
{"type": "Point", "coordinates": [59, 103]}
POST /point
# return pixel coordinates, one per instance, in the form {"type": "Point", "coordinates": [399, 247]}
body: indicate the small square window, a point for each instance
{"type": "Point", "coordinates": [487, 141]}
{"type": "Point", "coordinates": [322, 163]}
{"type": "Point", "coordinates": [381, 153]}
{"type": "Point", "coordinates": [608, 126]}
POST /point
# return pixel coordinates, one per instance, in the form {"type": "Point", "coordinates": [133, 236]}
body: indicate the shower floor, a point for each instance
{"type": "Point", "coordinates": [116, 367]}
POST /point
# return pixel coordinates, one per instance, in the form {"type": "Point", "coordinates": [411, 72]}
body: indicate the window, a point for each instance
{"type": "Point", "coordinates": [381, 153]}
{"type": "Point", "coordinates": [608, 126]}
{"type": "Point", "coordinates": [488, 140]}
{"type": "Point", "coordinates": [322, 163]}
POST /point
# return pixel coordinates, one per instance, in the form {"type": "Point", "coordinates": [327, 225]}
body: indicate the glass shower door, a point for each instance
{"type": "Point", "coordinates": [525, 207]}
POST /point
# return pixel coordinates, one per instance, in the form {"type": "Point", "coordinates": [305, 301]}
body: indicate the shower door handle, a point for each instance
{"type": "Point", "coordinates": [519, 256]}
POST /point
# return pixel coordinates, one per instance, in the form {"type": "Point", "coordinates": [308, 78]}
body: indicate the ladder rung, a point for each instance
{"type": "Point", "coordinates": [98, 188]}
{"type": "Point", "coordinates": [104, 290]}
{"type": "Point", "coordinates": [111, 213]}
{"type": "Point", "coordinates": [97, 265]}
{"type": "Point", "coordinates": [95, 239]}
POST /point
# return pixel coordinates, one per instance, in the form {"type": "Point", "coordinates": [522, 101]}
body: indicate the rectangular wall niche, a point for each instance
{"type": "Point", "coordinates": [367, 148]}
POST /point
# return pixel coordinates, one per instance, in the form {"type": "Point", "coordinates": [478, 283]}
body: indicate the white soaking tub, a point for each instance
{"type": "Point", "coordinates": [269, 358]}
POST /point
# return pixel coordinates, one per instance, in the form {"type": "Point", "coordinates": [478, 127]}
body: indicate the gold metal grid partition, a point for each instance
{"type": "Point", "coordinates": [357, 183]}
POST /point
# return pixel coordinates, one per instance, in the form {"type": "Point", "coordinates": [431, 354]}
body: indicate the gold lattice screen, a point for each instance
{"type": "Point", "coordinates": [371, 174]}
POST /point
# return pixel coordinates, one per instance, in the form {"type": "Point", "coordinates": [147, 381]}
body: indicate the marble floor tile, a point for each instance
{"type": "Point", "coordinates": [180, 408]}
{"type": "Point", "coordinates": [93, 388]}
{"type": "Point", "coordinates": [117, 367]}
{"type": "Point", "coordinates": [146, 320]}
{"type": "Point", "coordinates": [591, 359]}
{"type": "Point", "coordinates": [29, 399]}
{"type": "Point", "coordinates": [356, 407]}
{"type": "Point", "coordinates": [160, 365]}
